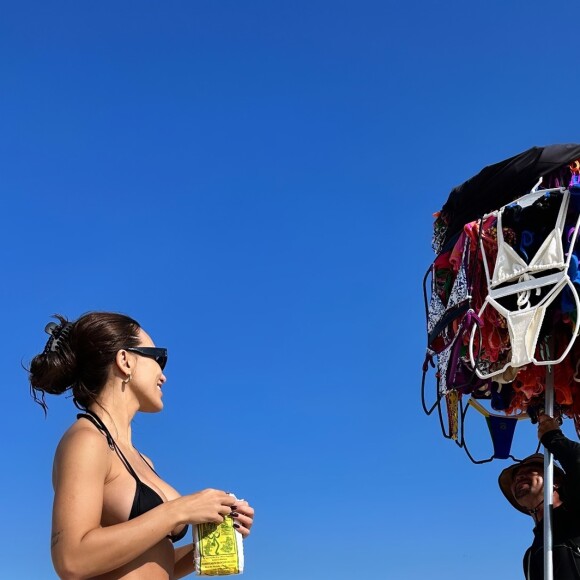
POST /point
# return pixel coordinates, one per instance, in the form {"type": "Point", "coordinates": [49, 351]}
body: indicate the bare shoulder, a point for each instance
{"type": "Point", "coordinates": [82, 445]}
{"type": "Point", "coordinates": [147, 459]}
{"type": "Point", "coordinates": [84, 435]}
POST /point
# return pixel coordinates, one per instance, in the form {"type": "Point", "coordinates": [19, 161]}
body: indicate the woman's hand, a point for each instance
{"type": "Point", "coordinates": [209, 505]}
{"type": "Point", "coordinates": [243, 516]}
{"type": "Point", "coordinates": [547, 423]}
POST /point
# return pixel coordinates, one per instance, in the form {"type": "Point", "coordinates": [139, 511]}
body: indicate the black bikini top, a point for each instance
{"type": "Point", "coordinates": [145, 498]}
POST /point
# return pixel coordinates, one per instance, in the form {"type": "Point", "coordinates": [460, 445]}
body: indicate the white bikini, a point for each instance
{"type": "Point", "coordinates": [513, 276]}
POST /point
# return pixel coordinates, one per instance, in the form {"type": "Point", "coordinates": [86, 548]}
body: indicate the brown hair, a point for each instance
{"type": "Point", "coordinates": [79, 359]}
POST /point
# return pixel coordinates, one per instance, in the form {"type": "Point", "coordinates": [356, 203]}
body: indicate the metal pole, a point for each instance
{"type": "Point", "coordinates": [548, 480]}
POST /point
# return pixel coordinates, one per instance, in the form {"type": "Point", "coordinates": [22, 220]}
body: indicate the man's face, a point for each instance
{"type": "Point", "coordinates": [528, 483]}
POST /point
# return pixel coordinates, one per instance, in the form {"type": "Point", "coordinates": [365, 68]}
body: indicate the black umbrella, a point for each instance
{"type": "Point", "coordinates": [498, 184]}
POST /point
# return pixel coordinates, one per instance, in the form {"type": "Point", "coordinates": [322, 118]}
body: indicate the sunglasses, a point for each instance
{"type": "Point", "coordinates": [159, 355]}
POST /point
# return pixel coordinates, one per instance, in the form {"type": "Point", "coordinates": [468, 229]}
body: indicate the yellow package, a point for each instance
{"type": "Point", "coordinates": [219, 550]}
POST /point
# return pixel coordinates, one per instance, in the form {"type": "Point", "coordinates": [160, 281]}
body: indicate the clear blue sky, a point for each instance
{"type": "Point", "coordinates": [254, 181]}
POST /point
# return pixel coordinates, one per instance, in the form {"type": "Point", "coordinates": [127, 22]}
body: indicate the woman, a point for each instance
{"type": "Point", "coordinates": [113, 515]}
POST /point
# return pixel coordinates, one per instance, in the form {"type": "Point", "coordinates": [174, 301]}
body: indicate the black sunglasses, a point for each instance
{"type": "Point", "coordinates": [159, 355]}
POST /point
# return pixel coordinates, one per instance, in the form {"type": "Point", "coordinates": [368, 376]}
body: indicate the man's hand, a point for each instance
{"type": "Point", "coordinates": [547, 423]}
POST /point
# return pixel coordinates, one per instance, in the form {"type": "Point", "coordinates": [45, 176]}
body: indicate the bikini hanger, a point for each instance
{"type": "Point", "coordinates": [535, 188]}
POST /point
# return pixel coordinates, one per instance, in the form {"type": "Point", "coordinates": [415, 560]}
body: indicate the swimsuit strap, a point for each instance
{"type": "Point", "coordinates": [147, 463]}
{"type": "Point", "coordinates": [499, 230]}
{"type": "Point", "coordinates": [98, 423]}
{"type": "Point", "coordinates": [483, 254]}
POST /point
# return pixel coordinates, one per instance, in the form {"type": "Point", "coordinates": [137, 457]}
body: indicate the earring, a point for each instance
{"type": "Point", "coordinates": [125, 381]}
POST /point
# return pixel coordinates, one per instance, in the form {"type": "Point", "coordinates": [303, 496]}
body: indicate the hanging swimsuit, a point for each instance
{"type": "Point", "coordinates": [440, 315]}
{"type": "Point", "coordinates": [145, 498]}
{"type": "Point", "coordinates": [509, 265]}
{"type": "Point", "coordinates": [447, 324]}
{"type": "Point", "coordinates": [525, 323]}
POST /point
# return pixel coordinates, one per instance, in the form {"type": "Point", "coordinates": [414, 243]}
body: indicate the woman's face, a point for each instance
{"type": "Point", "coordinates": [147, 378]}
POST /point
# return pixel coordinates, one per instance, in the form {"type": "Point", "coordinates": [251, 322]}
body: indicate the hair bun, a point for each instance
{"type": "Point", "coordinates": [78, 355]}
{"type": "Point", "coordinates": [54, 370]}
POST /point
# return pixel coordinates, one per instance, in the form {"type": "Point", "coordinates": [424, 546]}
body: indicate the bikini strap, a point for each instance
{"type": "Point", "coordinates": [499, 229]}
{"type": "Point", "coordinates": [147, 463]}
{"type": "Point", "coordinates": [98, 423]}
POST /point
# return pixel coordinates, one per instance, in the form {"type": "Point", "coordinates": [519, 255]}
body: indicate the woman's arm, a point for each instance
{"type": "Point", "coordinates": [81, 548]}
{"type": "Point", "coordinates": [184, 562]}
